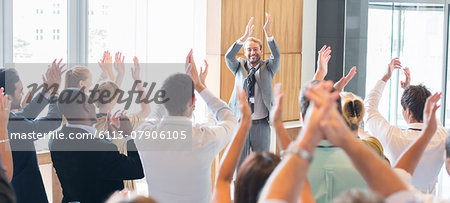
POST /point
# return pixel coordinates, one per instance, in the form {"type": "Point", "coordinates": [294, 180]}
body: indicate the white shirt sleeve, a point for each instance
{"type": "Point", "coordinates": [377, 125]}
{"type": "Point", "coordinates": [226, 125]}
{"type": "Point", "coordinates": [270, 38]}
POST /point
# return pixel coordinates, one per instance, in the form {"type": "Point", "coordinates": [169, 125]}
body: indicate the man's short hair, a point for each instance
{"type": "Point", "coordinates": [304, 101]}
{"type": "Point", "coordinates": [447, 146]}
{"type": "Point", "coordinates": [8, 78]}
{"type": "Point", "coordinates": [414, 98]}
{"type": "Point", "coordinates": [253, 39]}
{"type": "Point", "coordinates": [179, 88]}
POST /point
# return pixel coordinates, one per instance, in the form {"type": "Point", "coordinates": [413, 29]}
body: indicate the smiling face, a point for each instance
{"type": "Point", "coordinates": [252, 51]}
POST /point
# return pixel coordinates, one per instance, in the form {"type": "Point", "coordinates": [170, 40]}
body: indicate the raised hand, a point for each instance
{"type": "Point", "coordinates": [324, 56]}
{"type": "Point", "coordinates": [248, 30]}
{"type": "Point", "coordinates": [277, 109]}
{"type": "Point", "coordinates": [405, 84]}
{"type": "Point", "coordinates": [322, 100]}
{"type": "Point", "coordinates": [246, 111]}
{"type": "Point", "coordinates": [106, 65]}
{"type": "Point", "coordinates": [340, 85]}
{"type": "Point", "coordinates": [394, 64]}
{"type": "Point", "coordinates": [267, 25]}
{"type": "Point", "coordinates": [119, 65]}
{"type": "Point", "coordinates": [53, 75]}
{"type": "Point", "coordinates": [5, 108]}
{"type": "Point", "coordinates": [188, 66]}
{"type": "Point", "coordinates": [136, 71]}
{"type": "Point", "coordinates": [429, 113]}
{"type": "Point", "coordinates": [204, 73]}
{"type": "Point", "coordinates": [194, 73]}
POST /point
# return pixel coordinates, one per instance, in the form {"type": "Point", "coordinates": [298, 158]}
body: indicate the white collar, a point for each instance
{"type": "Point", "coordinates": [250, 67]}
{"type": "Point", "coordinates": [87, 128]}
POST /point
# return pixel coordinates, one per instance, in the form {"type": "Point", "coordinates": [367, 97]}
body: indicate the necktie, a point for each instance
{"type": "Point", "coordinates": [249, 87]}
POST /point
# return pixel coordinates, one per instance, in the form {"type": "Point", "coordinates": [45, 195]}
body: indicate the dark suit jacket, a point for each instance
{"type": "Point", "coordinates": [27, 180]}
{"type": "Point", "coordinates": [92, 175]}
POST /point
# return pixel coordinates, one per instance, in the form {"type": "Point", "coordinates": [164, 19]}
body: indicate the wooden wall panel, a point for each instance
{"type": "Point", "coordinates": [235, 16]}
{"type": "Point", "coordinates": [289, 75]}
{"type": "Point", "coordinates": [287, 24]}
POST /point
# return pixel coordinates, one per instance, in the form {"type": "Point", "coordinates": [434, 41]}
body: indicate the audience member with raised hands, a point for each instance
{"type": "Point", "coordinates": [222, 192]}
{"type": "Point", "coordinates": [324, 56]}
{"type": "Point", "coordinates": [396, 140]}
{"type": "Point", "coordinates": [27, 179]}
{"type": "Point", "coordinates": [286, 182]}
{"type": "Point", "coordinates": [369, 165]}
{"type": "Point", "coordinates": [6, 165]}
{"type": "Point", "coordinates": [410, 158]}
{"type": "Point", "coordinates": [165, 182]}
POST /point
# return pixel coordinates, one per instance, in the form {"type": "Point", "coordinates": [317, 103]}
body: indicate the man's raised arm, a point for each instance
{"type": "Point", "coordinates": [275, 56]}
{"type": "Point", "coordinates": [230, 56]}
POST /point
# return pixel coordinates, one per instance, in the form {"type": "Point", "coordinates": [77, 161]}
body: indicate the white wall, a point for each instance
{"type": "Point", "coordinates": [309, 39]}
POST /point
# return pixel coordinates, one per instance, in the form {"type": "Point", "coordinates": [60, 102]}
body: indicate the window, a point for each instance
{"type": "Point", "coordinates": [414, 33]}
{"type": "Point", "coordinates": [36, 44]}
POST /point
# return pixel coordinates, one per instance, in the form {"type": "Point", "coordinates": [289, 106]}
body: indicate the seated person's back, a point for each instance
{"type": "Point", "coordinates": [89, 169]}
{"type": "Point", "coordinates": [182, 173]}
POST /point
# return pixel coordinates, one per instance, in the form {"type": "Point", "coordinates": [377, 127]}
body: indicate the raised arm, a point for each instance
{"type": "Point", "coordinates": [411, 157]}
{"type": "Point", "coordinates": [5, 148]}
{"type": "Point", "coordinates": [286, 181]}
{"type": "Point", "coordinates": [365, 161]}
{"type": "Point", "coordinates": [377, 125]}
{"type": "Point", "coordinates": [120, 68]}
{"type": "Point", "coordinates": [275, 56]}
{"type": "Point", "coordinates": [105, 65]}
{"type": "Point", "coordinates": [230, 56]}
{"type": "Point", "coordinates": [136, 74]}
{"type": "Point", "coordinates": [283, 139]}
{"type": "Point", "coordinates": [324, 56]}
{"type": "Point", "coordinates": [233, 153]}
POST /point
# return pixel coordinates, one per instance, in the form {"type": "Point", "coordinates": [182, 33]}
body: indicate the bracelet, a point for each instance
{"type": "Point", "coordinates": [293, 149]}
{"type": "Point", "coordinates": [2, 141]}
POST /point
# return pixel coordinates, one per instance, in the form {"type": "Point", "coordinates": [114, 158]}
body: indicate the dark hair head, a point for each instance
{"type": "Point", "coordinates": [252, 176]}
{"type": "Point", "coordinates": [8, 78]}
{"type": "Point", "coordinates": [414, 98]}
{"type": "Point", "coordinates": [447, 146]}
{"type": "Point", "coordinates": [179, 89]}
{"type": "Point", "coordinates": [304, 102]}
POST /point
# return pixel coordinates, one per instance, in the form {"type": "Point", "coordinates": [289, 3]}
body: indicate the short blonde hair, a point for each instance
{"type": "Point", "coordinates": [75, 75]}
{"type": "Point", "coordinates": [352, 109]}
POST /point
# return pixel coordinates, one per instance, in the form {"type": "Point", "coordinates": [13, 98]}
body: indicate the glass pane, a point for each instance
{"type": "Point", "coordinates": [422, 46]}
{"type": "Point", "coordinates": [379, 50]}
{"type": "Point", "coordinates": [39, 30]}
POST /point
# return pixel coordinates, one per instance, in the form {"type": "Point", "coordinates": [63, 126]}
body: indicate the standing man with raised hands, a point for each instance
{"type": "Point", "coordinates": [255, 76]}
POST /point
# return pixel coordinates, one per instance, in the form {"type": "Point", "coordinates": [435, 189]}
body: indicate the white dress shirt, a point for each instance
{"type": "Point", "coordinates": [395, 141]}
{"type": "Point", "coordinates": [185, 176]}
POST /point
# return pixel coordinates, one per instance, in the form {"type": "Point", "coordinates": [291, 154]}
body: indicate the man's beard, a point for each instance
{"type": "Point", "coordinates": [256, 61]}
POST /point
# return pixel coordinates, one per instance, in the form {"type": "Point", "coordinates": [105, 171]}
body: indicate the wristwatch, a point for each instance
{"type": "Point", "coordinates": [294, 149]}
